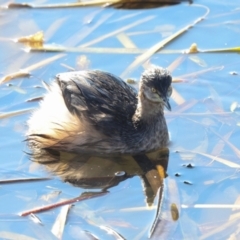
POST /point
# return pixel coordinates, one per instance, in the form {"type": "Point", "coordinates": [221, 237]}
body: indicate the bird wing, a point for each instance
{"type": "Point", "coordinates": [101, 98]}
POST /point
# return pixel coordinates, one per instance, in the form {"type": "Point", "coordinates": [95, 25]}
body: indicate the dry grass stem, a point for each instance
{"type": "Point", "coordinates": [26, 71]}
{"type": "Point", "coordinates": [62, 203]}
{"type": "Point", "coordinates": [15, 113]}
{"type": "Point", "coordinates": [34, 38]}
{"type": "Point", "coordinates": [224, 50]}
{"type": "Point", "coordinates": [177, 80]}
{"type": "Point", "coordinates": [99, 50]}
{"type": "Point", "coordinates": [19, 74]}
{"type": "Point", "coordinates": [16, 180]}
{"type": "Point", "coordinates": [93, 3]}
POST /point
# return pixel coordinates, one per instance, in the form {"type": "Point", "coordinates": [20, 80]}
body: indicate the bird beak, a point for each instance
{"type": "Point", "coordinates": [167, 104]}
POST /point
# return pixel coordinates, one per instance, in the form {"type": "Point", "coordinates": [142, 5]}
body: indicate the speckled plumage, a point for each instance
{"type": "Point", "coordinates": [95, 112]}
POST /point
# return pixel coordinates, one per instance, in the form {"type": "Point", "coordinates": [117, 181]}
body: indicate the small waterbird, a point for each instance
{"type": "Point", "coordinates": [95, 112]}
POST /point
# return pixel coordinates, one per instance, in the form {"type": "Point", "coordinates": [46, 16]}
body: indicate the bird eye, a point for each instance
{"type": "Point", "coordinates": [154, 90]}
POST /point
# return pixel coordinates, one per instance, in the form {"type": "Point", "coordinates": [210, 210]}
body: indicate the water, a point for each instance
{"type": "Point", "coordinates": [203, 124]}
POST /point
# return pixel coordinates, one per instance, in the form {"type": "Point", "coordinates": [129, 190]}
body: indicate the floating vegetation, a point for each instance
{"type": "Point", "coordinates": [193, 48]}
{"type": "Point", "coordinates": [36, 40]}
{"type": "Point", "coordinates": [233, 73]}
{"type": "Point", "coordinates": [98, 50]}
{"type": "Point", "coordinates": [36, 99]}
{"type": "Point", "coordinates": [131, 81]}
{"type": "Point", "coordinates": [15, 113]}
{"type": "Point", "coordinates": [187, 182]}
{"type": "Point", "coordinates": [62, 203]}
{"type": "Point", "coordinates": [83, 63]}
{"type": "Point", "coordinates": [174, 212]}
{"type": "Point", "coordinates": [16, 180]}
{"type": "Point", "coordinates": [133, 4]}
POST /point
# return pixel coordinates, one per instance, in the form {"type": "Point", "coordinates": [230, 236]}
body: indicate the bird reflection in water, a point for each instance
{"type": "Point", "coordinates": [94, 172]}
{"type": "Point", "coordinates": [94, 131]}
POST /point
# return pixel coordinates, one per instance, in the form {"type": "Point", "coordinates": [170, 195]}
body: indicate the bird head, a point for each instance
{"type": "Point", "coordinates": [155, 86]}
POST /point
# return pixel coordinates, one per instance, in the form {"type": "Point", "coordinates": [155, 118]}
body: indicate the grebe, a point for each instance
{"type": "Point", "coordinates": [95, 112]}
